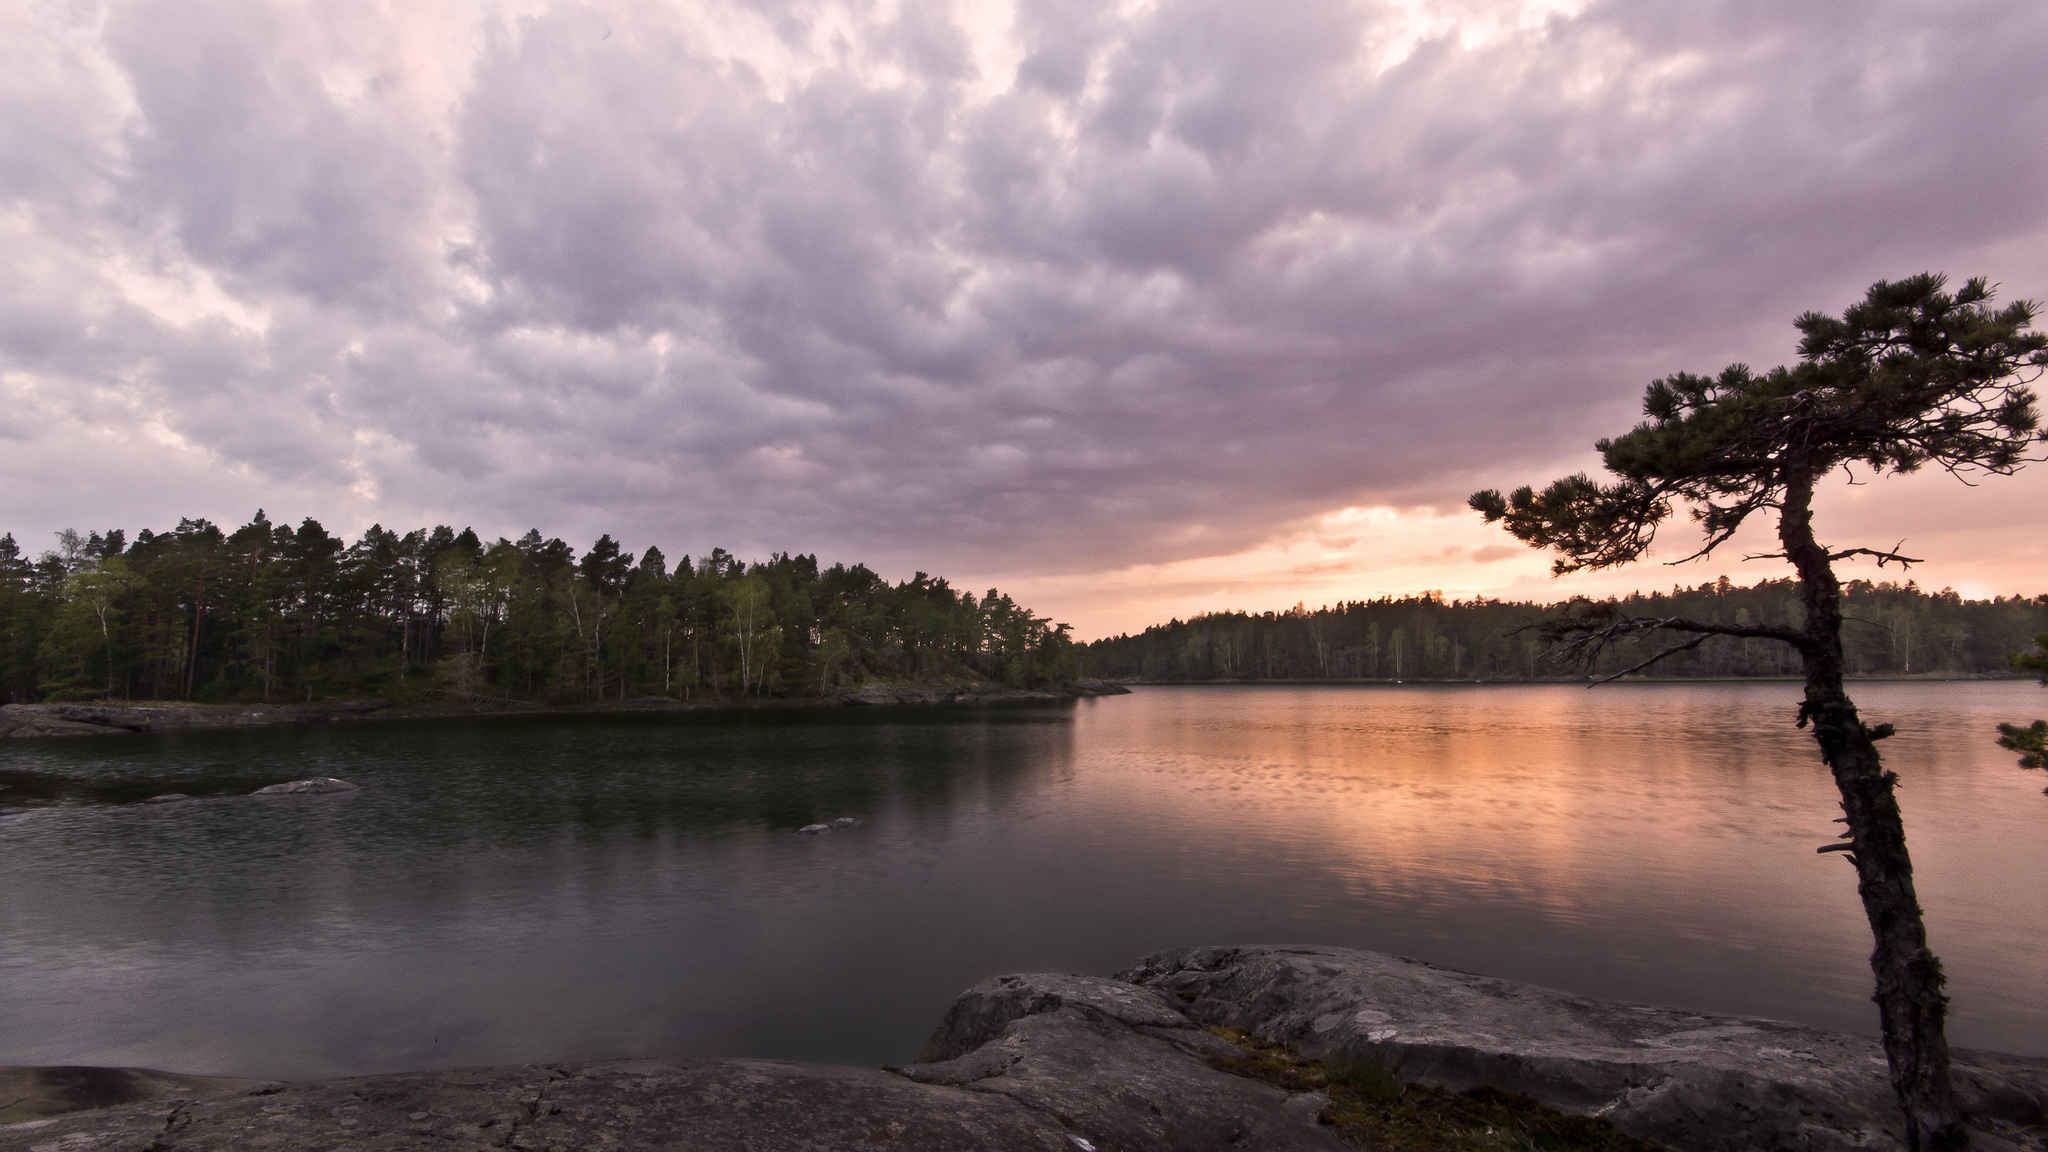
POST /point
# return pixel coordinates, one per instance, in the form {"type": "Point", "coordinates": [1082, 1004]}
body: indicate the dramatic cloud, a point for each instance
{"type": "Point", "coordinates": [1034, 294]}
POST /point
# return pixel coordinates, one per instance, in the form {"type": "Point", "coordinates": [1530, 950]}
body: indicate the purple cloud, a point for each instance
{"type": "Point", "coordinates": [1072, 292]}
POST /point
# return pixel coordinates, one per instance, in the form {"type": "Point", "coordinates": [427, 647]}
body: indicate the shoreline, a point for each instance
{"type": "Point", "coordinates": [1191, 1049]}
{"type": "Point", "coordinates": [104, 718]}
{"type": "Point", "coordinates": [1583, 681]}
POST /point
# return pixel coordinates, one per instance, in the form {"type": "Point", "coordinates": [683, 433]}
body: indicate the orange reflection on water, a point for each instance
{"type": "Point", "coordinates": [1640, 831]}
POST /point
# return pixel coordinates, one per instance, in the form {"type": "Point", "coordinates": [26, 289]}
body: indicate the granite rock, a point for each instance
{"type": "Point", "coordinates": [1122, 1067]}
{"type": "Point", "coordinates": [33, 1093]}
{"type": "Point", "coordinates": [27, 720]}
{"type": "Point", "coordinates": [1061, 1063]}
{"type": "Point", "coordinates": [712, 1105]}
{"type": "Point", "coordinates": [1691, 1081]}
{"type": "Point", "coordinates": [1044, 1064]}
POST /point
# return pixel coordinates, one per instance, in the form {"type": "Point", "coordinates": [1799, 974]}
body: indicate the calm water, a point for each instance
{"type": "Point", "coordinates": [547, 888]}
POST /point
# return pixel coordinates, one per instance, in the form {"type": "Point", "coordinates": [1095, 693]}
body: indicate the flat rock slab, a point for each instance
{"type": "Point", "coordinates": [33, 1093]}
{"type": "Point", "coordinates": [978, 693]}
{"type": "Point", "coordinates": [1043, 1064]}
{"type": "Point", "coordinates": [28, 720]}
{"type": "Point", "coordinates": [627, 1104]}
{"type": "Point", "coordinates": [1689, 1081]}
{"type": "Point", "coordinates": [1064, 1063]}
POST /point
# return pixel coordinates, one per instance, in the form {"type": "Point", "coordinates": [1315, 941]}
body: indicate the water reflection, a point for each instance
{"type": "Point", "coordinates": [553, 888]}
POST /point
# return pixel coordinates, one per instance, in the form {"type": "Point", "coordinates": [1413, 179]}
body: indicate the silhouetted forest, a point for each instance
{"type": "Point", "coordinates": [1892, 628]}
{"type": "Point", "coordinates": [269, 612]}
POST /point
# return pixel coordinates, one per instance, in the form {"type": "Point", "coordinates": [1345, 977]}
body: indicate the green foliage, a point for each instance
{"type": "Point", "coordinates": [1378, 1080]}
{"type": "Point", "coordinates": [1371, 1108]}
{"type": "Point", "coordinates": [272, 612]}
{"type": "Point", "coordinates": [2031, 742]}
{"type": "Point", "coordinates": [1891, 629]}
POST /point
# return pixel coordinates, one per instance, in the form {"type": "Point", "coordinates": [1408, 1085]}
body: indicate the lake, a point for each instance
{"type": "Point", "coordinates": [559, 888]}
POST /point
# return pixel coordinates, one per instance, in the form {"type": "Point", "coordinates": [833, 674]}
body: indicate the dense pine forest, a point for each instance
{"type": "Point", "coordinates": [270, 612]}
{"type": "Point", "coordinates": [1892, 629]}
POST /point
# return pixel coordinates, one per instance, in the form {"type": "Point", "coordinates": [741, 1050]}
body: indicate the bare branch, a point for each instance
{"type": "Point", "coordinates": [1883, 557]}
{"type": "Point", "coordinates": [1674, 650]}
{"type": "Point", "coordinates": [1628, 626]}
{"type": "Point", "coordinates": [1588, 628]}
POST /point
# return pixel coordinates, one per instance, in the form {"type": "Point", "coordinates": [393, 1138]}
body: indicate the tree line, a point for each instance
{"type": "Point", "coordinates": [1891, 629]}
{"type": "Point", "coordinates": [271, 612]}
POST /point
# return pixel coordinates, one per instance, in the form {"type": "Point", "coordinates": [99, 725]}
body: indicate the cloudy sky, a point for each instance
{"type": "Point", "coordinates": [1135, 310]}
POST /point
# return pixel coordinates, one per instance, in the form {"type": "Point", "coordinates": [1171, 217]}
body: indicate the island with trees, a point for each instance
{"type": "Point", "coordinates": [269, 613]}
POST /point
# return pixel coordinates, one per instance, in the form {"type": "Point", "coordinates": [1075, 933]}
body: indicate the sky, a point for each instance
{"type": "Point", "coordinates": [1134, 310]}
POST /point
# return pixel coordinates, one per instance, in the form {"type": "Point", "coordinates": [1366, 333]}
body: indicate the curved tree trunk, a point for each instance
{"type": "Point", "coordinates": [1910, 1002]}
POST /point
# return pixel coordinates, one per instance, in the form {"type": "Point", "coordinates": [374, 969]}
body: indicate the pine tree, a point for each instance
{"type": "Point", "coordinates": [1910, 376]}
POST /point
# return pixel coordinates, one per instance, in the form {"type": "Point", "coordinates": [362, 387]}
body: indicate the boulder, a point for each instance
{"type": "Point", "coordinates": [1122, 1067]}
{"type": "Point", "coordinates": [314, 786]}
{"type": "Point", "coordinates": [1690, 1081]}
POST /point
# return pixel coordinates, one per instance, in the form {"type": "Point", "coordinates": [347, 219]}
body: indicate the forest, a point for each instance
{"type": "Point", "coordinates": [1893, 629]}
{"type": "Point", "coordinates": [267, 612]}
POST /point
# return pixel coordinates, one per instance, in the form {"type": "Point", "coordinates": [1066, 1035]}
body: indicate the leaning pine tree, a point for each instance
{"type": "Point", "coordinates": [1911, 376]}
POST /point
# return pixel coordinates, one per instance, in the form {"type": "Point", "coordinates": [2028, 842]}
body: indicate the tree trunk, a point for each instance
{"type": "Point", "coordinates": [1911, 1006]}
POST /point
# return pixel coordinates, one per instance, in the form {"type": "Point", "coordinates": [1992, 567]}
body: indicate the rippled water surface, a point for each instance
{"type": "Point", "coordinates": [565, 888]}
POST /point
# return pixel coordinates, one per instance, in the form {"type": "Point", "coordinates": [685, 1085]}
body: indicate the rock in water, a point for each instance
{"type": "Point", "coordinates": [315, 786]}
{"type": "Point", "coordinates": [167, 798]}
{"type": "Point", "coordinates": [813, 829]}
{"type": "Point", "coordinates": [844, 822]}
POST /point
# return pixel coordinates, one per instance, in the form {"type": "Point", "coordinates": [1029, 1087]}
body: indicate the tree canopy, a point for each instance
{"type": "Point", "coordinates": [1891, 629]}
{"type": "Point", "coordinates": [1912, 375]}
{"type": "Point", "coordinates": [267, 611]}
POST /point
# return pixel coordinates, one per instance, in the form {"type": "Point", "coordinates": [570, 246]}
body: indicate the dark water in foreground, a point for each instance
{"type": "Point", "coordinates": [551, 888]}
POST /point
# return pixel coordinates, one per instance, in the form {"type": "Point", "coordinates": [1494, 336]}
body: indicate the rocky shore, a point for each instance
{"type": "Point", "coordinates": [103, 719]}
{"type": "Point", "coordinates": [1137, 1062]}
{"type": "Point", "coordinates": [28, 720]}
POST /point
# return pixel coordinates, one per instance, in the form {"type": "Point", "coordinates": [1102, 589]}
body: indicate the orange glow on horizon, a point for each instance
{"type": "Point", "coordinates": [1981, 540]}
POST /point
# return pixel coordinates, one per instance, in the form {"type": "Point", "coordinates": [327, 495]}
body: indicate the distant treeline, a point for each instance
{"type": "Point", "coordinates": [269, 612]}
{"type": "Point", "coordinates": [1892, 628]}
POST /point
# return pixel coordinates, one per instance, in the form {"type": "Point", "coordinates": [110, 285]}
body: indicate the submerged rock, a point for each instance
{"type": "Point", "coordinates": [843, 823]}
{"type": "Point", "coordinates": [167, 798]}
{"type": "Point", "coordinates": [314, 786]}
{"type": "Point", "coordinates": [813, 829]}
